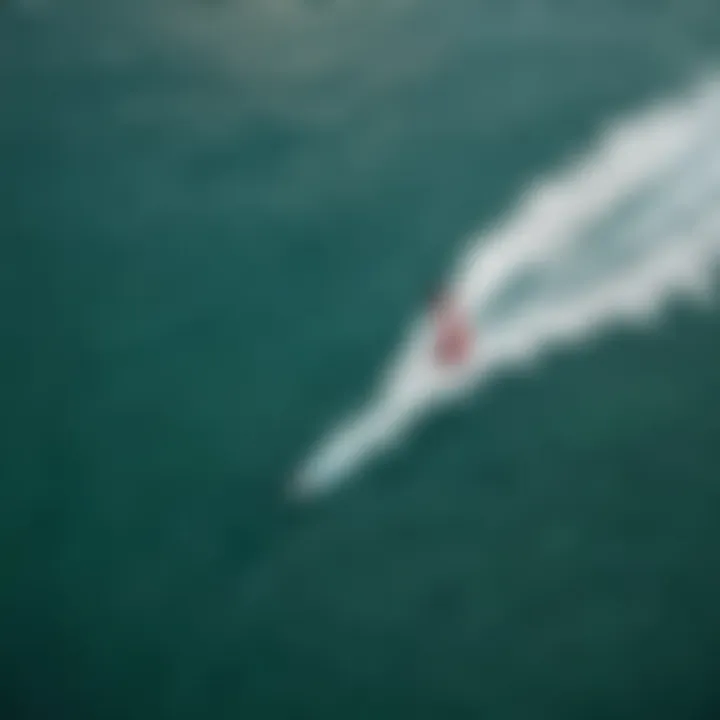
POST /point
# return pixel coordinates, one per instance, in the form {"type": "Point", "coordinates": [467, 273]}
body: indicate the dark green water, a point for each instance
{"type": "Point", "coordinates": [216, 219]}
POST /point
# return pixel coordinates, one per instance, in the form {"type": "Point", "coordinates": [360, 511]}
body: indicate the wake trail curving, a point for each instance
{"type": "Point", "coordinates": [612, 238]}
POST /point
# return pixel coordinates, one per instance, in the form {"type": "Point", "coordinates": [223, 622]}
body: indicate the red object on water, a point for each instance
{"type": "Point", "coordinates": [454, 336]}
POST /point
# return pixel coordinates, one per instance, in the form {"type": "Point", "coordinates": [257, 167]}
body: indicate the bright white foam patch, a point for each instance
{"type": "Point", "coordinates": [611, 239]}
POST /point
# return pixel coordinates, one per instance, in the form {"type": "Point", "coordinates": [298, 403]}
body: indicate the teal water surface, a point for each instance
{"type": "Point", "coordinates": [216, 220]}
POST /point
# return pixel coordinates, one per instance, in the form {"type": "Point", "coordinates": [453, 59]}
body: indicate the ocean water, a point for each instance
{"type": "Point", "coordinates": [219, 225]}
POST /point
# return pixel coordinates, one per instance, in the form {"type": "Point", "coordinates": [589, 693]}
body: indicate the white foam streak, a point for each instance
{"type": "Point", "coordinates": [587, 277]}
{"type": "Point", "coordinates": [555, 210]}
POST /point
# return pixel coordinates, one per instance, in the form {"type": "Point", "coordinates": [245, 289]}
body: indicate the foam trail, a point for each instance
{"type": "Point", "coordinates": [611, 239]}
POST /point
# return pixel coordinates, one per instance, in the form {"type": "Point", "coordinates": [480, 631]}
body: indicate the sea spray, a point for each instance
{"type": "Point", "coordinates": [589, 272]}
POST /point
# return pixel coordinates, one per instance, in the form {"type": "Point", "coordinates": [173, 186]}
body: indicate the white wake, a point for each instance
{"type": "Point", "coordinates": [612, 238]}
